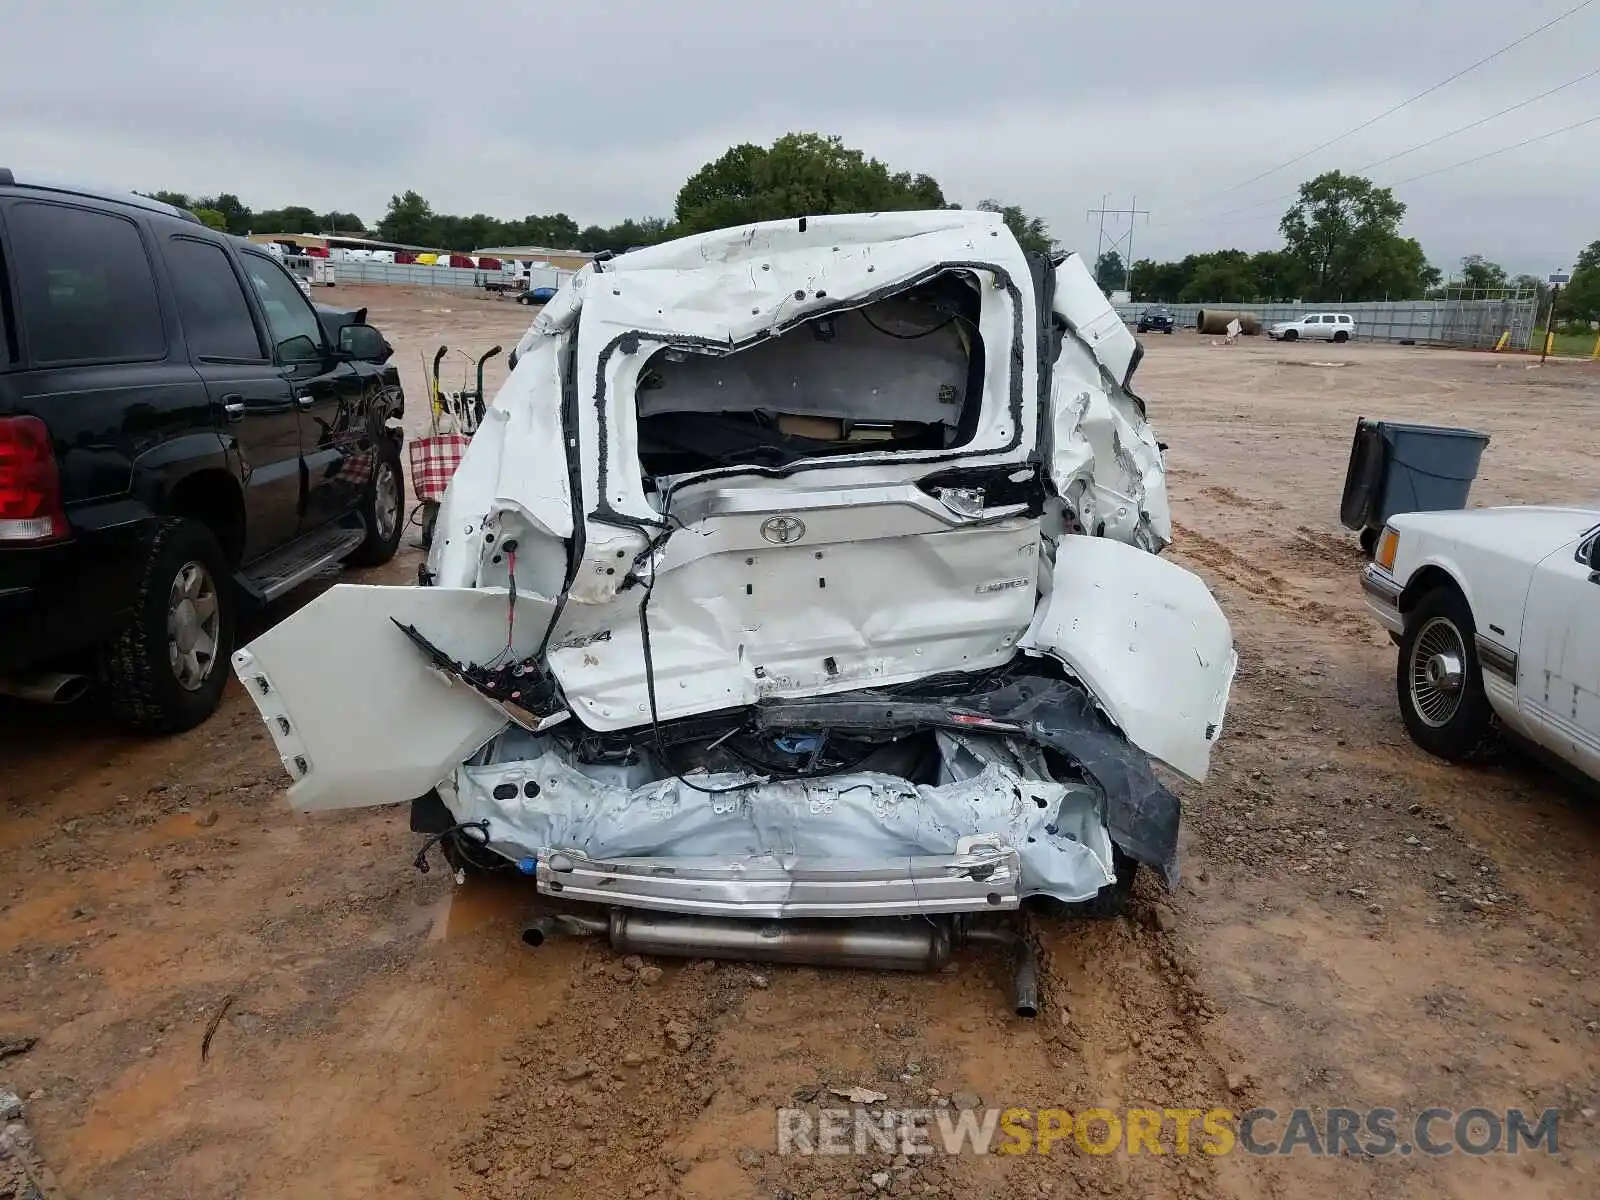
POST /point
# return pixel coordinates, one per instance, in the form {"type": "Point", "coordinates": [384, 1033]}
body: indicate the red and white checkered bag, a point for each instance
{"type": "Point", "coordinates": [434, 460]}
{"type": "Point", "coordinates": [356, 469]}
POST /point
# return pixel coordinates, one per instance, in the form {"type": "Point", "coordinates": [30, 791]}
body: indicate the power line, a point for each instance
{"type": "Point", "coordinates": [1502, 150]}
{"type": "Point", "coordinates": [1482, 121]}
{"type": "Point", "coordinates": [1428, 91]}
{"type": "Point", "coordinates": [1510, 108]}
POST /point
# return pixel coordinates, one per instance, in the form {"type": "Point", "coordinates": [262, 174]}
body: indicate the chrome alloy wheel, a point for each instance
{"type": "Point", "coordinates": [194, 625]}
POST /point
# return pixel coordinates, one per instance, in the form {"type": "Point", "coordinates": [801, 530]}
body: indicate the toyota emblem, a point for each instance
{"type": "Point", "coordinates": [783, 531]}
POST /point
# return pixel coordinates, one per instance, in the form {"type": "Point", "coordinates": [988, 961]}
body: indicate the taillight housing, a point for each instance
{"type": "Point", "coordinates": [30, 484]}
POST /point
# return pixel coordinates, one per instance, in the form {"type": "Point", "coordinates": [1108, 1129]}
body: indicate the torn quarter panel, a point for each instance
{"type": "Point", "coordinates": [358, 715]}
{"type": "Point", "coordinates": [1103, 456]}
{"type": "Point", "coordinates": [1147, 638]}
{"type": "Point", "coordinates": [510, 501]}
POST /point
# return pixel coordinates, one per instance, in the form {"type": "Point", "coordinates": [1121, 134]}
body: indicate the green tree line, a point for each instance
{"type": "Point", "coordinates": [799, 174]}
{"type": "Point", "coordinates": [1341, 236]}
{"type": "Point", "coordinates": [1342, 243]}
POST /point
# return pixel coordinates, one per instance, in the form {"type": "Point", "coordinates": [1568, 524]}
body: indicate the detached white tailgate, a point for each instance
{"type": "Point", "coordinates": [358, 713]}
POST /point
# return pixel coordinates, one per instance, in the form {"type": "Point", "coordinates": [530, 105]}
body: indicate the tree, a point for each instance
{"type": "Point", "coordinates": [1478, 272]}
{"type": "Point", "coordinates": [296, 218]}
{"type": "Point", "coordinates": [341, 222]}
{"type": "Point", "coordinates": [1344, 231]}
{"type": "Point", "coordinates": [1150, 280]}
{"type": "Point", "coordinates": [1032, 234]}
{"type": "Point", "coordinates": [1110, 272]}
{"type": "Point", "coordinates": [212, 218]}
{"type": "Point", "coordinates": [1532, 283]}
{"type": "Point", "coordinates": [1277, 276]}
{"type": "Point", "coordinates": [800, 174]}
{"type": "Point", "coordinates": [409, 219]}
{"type": "Point", "coordinates": [1220, 275]}
{"type": "Point", "coordinates": [555, 232]}
{"type": "Point", "coordinates": [234, 211]}
{"type": "Point", "coordinates": [1580, 299]}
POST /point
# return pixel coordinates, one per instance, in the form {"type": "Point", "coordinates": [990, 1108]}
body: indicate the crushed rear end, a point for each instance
{"type": "Point", "coordinates": [800, 573]}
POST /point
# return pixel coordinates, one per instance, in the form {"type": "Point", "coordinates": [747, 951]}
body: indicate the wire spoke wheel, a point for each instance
{"type": "Point", "coordinates": [1437, 672]}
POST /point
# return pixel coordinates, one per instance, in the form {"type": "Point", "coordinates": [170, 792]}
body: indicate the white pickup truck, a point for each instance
{"type": "Point", "coordinates": [1497, 614]}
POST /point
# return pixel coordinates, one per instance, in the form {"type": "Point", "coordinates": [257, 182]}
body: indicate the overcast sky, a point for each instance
{"type": "Point", "coordinates": [602, 108]}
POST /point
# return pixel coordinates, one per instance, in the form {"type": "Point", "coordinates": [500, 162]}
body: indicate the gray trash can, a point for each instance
{"type": "Point", "coordinates": [1398, 468]}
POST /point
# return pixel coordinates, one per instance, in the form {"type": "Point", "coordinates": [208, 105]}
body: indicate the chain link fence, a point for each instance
{"type": "Point", "coordinates": [1474, 324]}
{"type": "Point", "coordinates": [419, 275]}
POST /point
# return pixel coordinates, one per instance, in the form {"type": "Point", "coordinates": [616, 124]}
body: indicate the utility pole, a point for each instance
{"type": "Point", "coordinates": [1100, 238]}
{"type": "Point", "coordinates": [1557, 278]}
{"type": "Point", "coordinates": [1122, 243]}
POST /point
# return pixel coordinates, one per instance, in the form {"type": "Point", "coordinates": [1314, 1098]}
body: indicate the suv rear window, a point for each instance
{"type": "Point", "coordinates": [85, 286]}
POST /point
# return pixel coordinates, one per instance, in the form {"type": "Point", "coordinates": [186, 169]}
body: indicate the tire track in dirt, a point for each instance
{"type": "Point", "coordinates": [595, 1090]}
{"type": "Point", "coordinates": [674, 1090]}
{"type": "Point", "coordinates": [1260, 582]}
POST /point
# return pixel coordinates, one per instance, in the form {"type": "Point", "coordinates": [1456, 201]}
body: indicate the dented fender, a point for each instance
{"type": "Point", "coordinates": [1148, 639]}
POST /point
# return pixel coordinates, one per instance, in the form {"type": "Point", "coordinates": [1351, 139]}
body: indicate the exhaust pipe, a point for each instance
{"type": "Point", "coordinates": [45, 687]}
{"type": "Point", "coordinates": [881, 945]}
{"type": "Point", "coordinates": [1025, 971]}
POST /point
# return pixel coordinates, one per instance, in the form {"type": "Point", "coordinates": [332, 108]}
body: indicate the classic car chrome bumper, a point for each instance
{"type": "Point", "coordinates": [982, 876]}
{"type": "Point", "coordinates": [1383, 598]}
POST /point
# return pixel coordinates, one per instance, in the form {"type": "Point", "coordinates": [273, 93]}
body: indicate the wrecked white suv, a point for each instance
{"type": "Point", "coordinates": [806, 570]}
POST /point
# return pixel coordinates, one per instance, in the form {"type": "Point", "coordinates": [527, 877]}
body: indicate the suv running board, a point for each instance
{"type": "Point", "coordinates": [300, 560]}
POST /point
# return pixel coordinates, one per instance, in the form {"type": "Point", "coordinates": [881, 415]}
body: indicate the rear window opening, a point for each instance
{"type": "Point", "coordinates": [902, 374]}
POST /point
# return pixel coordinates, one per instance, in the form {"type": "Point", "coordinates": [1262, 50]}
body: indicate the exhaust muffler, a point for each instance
{"type": "Point", "coordinates": [910, 945]}
{"type": "Point", "coordinates": [45, 687]}
{"type": "Point", "coordinates": [921, 944]}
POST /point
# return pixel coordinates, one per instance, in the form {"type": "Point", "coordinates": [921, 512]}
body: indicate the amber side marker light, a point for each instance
{"type": "Point", "coordinates": [1387, 545]}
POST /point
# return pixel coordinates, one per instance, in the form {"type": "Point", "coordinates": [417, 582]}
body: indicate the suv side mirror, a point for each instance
{"type": "Point", "coordinates": [364, 342]}
{"type": "Point", "coordinates": [299, 348]}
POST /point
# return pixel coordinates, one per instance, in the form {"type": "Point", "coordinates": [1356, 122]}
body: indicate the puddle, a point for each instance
{"type": "Point", "coordinates": [505, 897]}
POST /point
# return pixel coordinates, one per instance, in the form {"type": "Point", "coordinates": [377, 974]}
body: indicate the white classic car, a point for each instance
{"type": "Point", "coordinates": [1497, 614]}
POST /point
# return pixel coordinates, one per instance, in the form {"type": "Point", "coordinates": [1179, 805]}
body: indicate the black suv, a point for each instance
{"type": "Point", "coordinates": [1156, 318]}
{"type": "Point", "coordinates": [180, 432]}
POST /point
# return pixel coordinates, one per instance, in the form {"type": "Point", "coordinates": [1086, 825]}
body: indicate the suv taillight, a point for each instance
{"type": "Point", "coordinates": [30, 485]}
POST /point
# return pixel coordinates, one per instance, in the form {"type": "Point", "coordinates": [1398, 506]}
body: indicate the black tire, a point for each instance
{"type": "Point", "coordinates": [1112, 900]}
{"type": "Point", "coordinates": [430, 521]}
{"type": "Point", "coordinates": [1341, 336]}
{"type": "Point", "coordinates": [137, 677]}
{"type": "Point", "coordinates": [1453, 722]}
{"type": "Point", "coordinates": [1369, 541]}
{"type": "Point", "coordinates": [1291, 335]}
{"type": "Point", "coordinates": [382, 508]}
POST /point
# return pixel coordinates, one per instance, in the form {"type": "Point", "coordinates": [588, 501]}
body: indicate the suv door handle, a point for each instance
{"type": "Point", "coordinates": [233, 406]}
{"type": "Point", "coordinates": [304, 399]}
